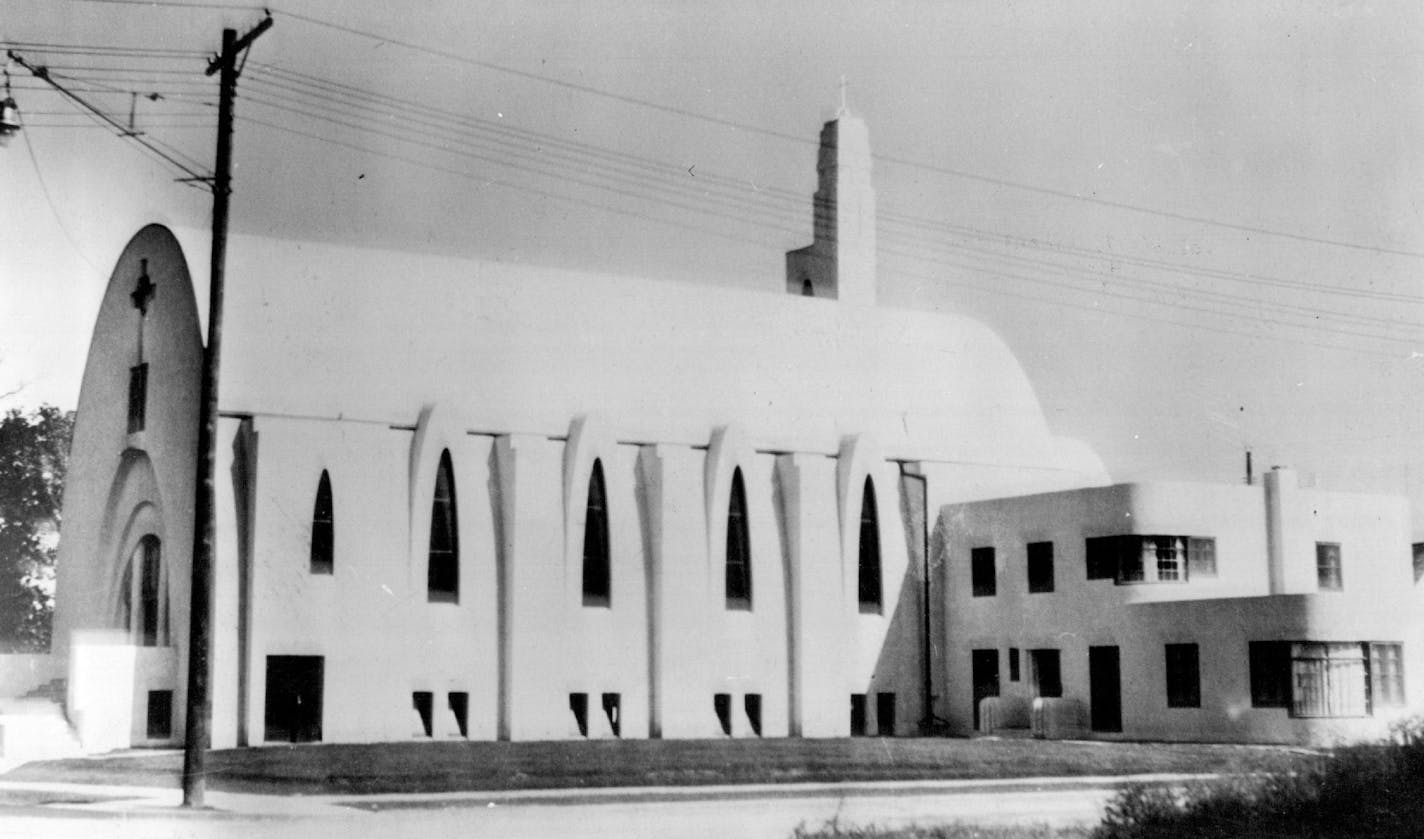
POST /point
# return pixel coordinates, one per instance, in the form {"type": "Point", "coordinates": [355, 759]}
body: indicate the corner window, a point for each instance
{"type": "Point", "coordinates": [984, 579]}
{"type": "Point", "coordinates": [322, 528]}
{"type": "Point", "coordinates": [739, 548]}
{"type": "Point", "coordinates": [868, 573]}
{"type": "Point", "coordinates": [1040, 567]}
{"type": "Point", "coordinates": [443, 575]}
{"type": "Point", "coordinates": [596, 572]}
{"type": "Point", "coordinates": [1183, 676]}
{"type": "Point", "coordinates": [1327, 566]}
{"type": "Point", "coordinates": [1314, 679]}
{"type": "Point", "coordinates": [1131, 558]}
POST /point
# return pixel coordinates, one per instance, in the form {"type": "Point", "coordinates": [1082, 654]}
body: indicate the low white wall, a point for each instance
{"type": "Point", "coordinates": [21, 673]}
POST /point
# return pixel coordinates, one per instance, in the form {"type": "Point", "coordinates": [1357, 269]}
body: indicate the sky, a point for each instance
{"type": "Point", "coordinates": [1199, 226]}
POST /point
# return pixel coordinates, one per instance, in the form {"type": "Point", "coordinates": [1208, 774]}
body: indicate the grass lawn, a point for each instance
{"type": "Point", "coordinates": [467, 766]}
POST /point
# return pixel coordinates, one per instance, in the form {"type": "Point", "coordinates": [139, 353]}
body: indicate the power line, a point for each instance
{"type": "Point", "coordinates": [59, 220]}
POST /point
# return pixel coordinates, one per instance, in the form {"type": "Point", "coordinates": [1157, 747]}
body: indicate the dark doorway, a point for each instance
{"type": "Point", "coordinates": [857, 715]}
{"type": "Point", "coordinates": [1104, 688]}
{"type": "Point", "coordinates": [986, 677]}
{"type": "Point", "coordinates": [294, 690]}
{"type": "Point", "coordinates": [1047, 673]}
{"type": "Point", "coordinates": [885, 714]}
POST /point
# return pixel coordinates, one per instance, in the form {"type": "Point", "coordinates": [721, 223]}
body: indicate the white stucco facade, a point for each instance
{"type": "Point", "coordinates": [1267, 588]}
{"type": "Point", "coordinates": [777, 473]}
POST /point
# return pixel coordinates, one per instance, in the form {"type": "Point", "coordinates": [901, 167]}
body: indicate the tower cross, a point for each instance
{"type": "Point", "coordinates": [144, 289]}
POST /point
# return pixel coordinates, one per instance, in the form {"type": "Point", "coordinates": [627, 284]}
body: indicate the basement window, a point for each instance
{"type": "Point", "coordinates": [578, 704]}
{"type": "Point", "coordinates": [752, 704]}
{"type": "Point", "coordinates": [722, 704]}
{"type": "Point", "coordinates": [460, 709]}
{"type": "Point", "coordinates": [613, 709]}
{"type": "Point", "coordinates": [424, 703]}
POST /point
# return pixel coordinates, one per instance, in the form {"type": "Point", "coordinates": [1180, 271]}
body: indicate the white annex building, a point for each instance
{"type": "Point", "coordinates": [462, 499]}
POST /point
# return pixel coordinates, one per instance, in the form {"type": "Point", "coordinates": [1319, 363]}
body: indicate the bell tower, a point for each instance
{"type": "Point", "coordinates": [840, 261]}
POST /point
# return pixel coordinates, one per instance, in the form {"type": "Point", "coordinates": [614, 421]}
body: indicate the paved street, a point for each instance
{"type": "Point", "coordinates": [89, 811]}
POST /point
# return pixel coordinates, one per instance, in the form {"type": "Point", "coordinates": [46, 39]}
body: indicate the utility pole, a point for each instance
{"type": "Point", "coordinates": [200, 704]}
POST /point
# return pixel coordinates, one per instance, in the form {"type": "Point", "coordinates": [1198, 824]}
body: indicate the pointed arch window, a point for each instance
{"type": "Point", "coordinates": [323, 529]}
{"type": "Point", "coordinates": [739, 547]}
{"type": "Point", "coordinates": [143, 577]}
{"type": "Point", "coordinates": [868, 574]}
{"type": "Point", "coordinates": [596, 571]}
{"type": "Point", "coordinates": [443, 577]}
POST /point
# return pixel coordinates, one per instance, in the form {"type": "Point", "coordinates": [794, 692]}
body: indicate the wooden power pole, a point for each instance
{"type": "Point", "coordinates": [200, 704]}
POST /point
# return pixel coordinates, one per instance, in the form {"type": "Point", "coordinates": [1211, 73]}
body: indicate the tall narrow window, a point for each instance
{"type": "Point", "coordinates": [1040, 567]}
{"type": "Point", "coordinates": [1183, 676]}
{"type": "Point", "coordinates": [739, 548]}
{"type": "Point", "coordinates": [1327, 566]}
{"type": "Point", "coordinates": [323, 528]}
{"type": "Point", "coordinates": [596, 576]}
{"type": "Point", "coordinates": [984, 580]}
{"type": "Point", "coordinates": [149, 555]}
{"type": "Point", "coordinates": [138, 396]}
{"type": "Point", "coordinates": [443, 578]}
{"type": "Point", "coordinates": [868, 576]}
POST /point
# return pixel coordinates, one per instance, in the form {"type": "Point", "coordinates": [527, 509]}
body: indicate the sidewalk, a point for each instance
{"type": "Point", "coordinates": [95, 799]}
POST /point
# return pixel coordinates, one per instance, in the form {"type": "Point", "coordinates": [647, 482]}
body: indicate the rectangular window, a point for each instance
{"type": "Point", "coordinates": [1171, 558]}
{"type": "Point", "coordinates": [160, 714]}
{"type": "Point", "coordinates": [459, 702]}
{"type": "Point", "coordinates": [1013, 664]}
{"type": "Point", "coordinates": [752, 704]}
{"type": "Point", "coordinates": [857, 715]}
{"type": "Point", "coordinates": [1386, 675]}
{"type": "Point", "coordinates": [1329, 680]}
{"type": "Point", "coordinates": [1201, 557]}
{"type": "Point", "coordinates": [578, 704]}
{"type": "Point", "coordinates": [722, 704]}
{"type": "Point", "coordinates": [1270, 674]}
{"type": "Point", "coordinates": [1101, 553]}
{"type": "Point", "coordinates": [1040, 567]}
{"type": "Point", "coordinates": [1183, 676]}
{"type": "Point", "coordinates": [981, 569]}
{"type": "Point", "coordinates": [1327, 566]}
{"type": "Point", "coordinates": [885, 714]}
{"type": "Point", "coordinates": [424, 703]}
{"type": "Point", "coordinates": [613, 709]}
{"type": "Point", "coordinates": [138, 397]}
{"type": "Point", "coordinates": [1047, 676]}
{"type": "Point", "coordinates": [1418, 561]}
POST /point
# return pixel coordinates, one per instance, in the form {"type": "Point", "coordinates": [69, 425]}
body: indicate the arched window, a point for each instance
{"type": "Point", "coordinates": [739, 547]}
{"type": "Point", "coordinates": [596, 575]}
{"type": "Point", "coordinates": [145, 564]}
{"type": "Point", "coordinates": [868, 575]}
{"type": "Point", "coordinates": [443, 578]}
{"type": "Point", "coordinates": [323, 528]}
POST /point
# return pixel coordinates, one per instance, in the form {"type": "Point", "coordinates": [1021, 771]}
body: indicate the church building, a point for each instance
{"type": "Point", "coordinates": [464, 499]}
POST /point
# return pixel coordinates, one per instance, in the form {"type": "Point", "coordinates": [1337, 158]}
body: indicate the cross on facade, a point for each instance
{"type": "Point", "coordinates": [144, 289]}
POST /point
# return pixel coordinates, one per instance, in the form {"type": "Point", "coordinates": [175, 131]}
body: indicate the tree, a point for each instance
{"type": "Point", "coordinates": [34, 449]}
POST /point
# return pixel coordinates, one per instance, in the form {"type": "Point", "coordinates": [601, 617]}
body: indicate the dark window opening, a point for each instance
{"type": "Point", "coordinates": [858, 726]}
{"type": "Point", "coordinates": [1270, 674]}
{"type": "Point", "coordinates": [1418, 561]}
{"type": "Point", "coordinates": [424, 703]}
{"type": "Point", "coordinates": [613, 709]}
{"type": "Point", "coordinates": [885, 714]}
{"type": "Point", "coordinates": [160, 714]}
{"type": "Point", "coordinates": [739, 549]}
{"type": "Point", "coordinates": [1047, 676]}
{"type": "Point", "coordinates": [138, 397]}
{"type": "Point", "coordinates": [294, 698]}
{"type": "Point", "coordinates": [149, 582]}
{"type": "Point", "coordinates": [1183, 676]}
{"type": "Point", "coordinates": [1327, 566]}
{"type": "Point", "coordinates": [460, 709]}
{"type": "Point", "coordinates": [752, 703]}
{"type": "Point", "coordinates": [722, 704]}
{"type": "Point", "coordinates": [1013, 664]}
{"type": "Point", "coordinates": [578, 703]}
{"type": "Point", "coordinates": [323, 528]}
{"type": "Point", "coordinates": [596, 572]}
{"type": "Point", "coordinates": [806, 289]}
{"type": "Point", "coordinates": [1040, 567]}
{"type": "Point", "coordinates": [984, 578]}
{"type": "Point", "coordinates": [443, 578]}
{"type": "Point", "coordinates": [868, 574]}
